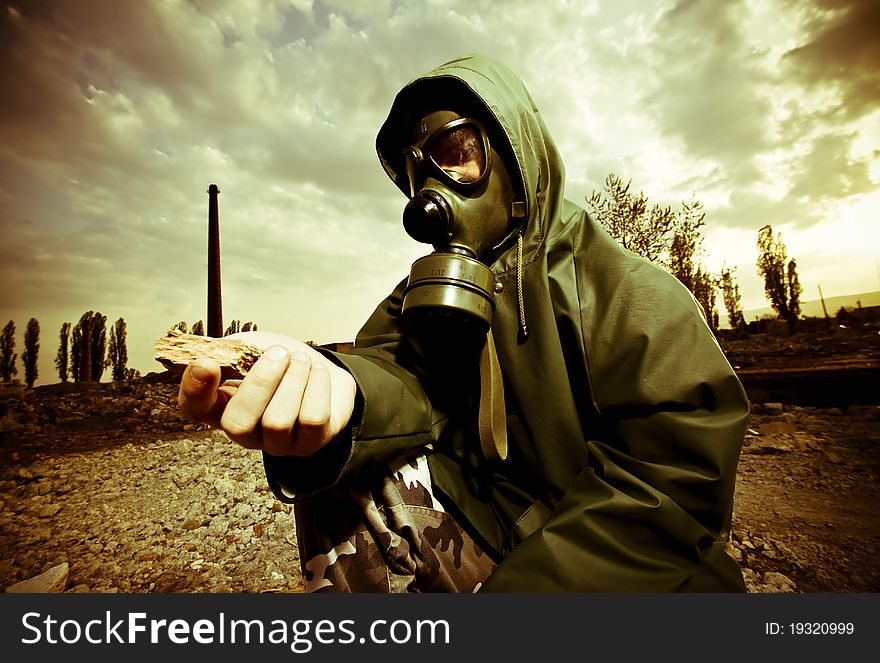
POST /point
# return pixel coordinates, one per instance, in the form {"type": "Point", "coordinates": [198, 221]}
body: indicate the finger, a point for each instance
{"type": "Point", "coordinates": [198, 398]}
{"type": "Point", "coordinates": [314, 413]}
{"type": "Point", "coordinates": [282, 411]}
{"type": "Point", "coordinates": [244, 411]}
{"type": "Point", "coordinates": [228, 390]}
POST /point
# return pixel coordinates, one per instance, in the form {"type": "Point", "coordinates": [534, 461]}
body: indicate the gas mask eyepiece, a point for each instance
{"type": "Point", "coordinates": [454, 151]}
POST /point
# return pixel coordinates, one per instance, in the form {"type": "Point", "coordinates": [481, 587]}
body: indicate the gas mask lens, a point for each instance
{"type": "Point", "coordinates": [460, 153]}
{"type": "Point", "coordinates": [456, 153]}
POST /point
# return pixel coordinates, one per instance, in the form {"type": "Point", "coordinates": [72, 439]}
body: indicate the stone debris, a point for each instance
{"type": "Point", "coordinates": [112, 485]}
{"type": "Point", "coordinates": [137, 517]}
{"type": "Point", "coordinates": [52, 581]}
{"type": "Point", "coordinates": [770, 582]}
{"type": "Point", "coordinates": [769, 409]}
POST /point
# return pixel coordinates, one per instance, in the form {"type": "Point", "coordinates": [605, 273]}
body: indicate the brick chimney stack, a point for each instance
{"type": "Point", "coordinates": [215, 299]}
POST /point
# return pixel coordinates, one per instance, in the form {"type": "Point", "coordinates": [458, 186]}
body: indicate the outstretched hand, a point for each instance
{"type": "Point", "coordinates": [292, 402]}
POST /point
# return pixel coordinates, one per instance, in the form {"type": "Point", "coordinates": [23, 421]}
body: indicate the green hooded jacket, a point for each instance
{"type": "Point", "coordinates": [625, 420]}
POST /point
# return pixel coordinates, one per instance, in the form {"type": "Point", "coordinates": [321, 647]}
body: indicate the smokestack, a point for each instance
{"type": "Point", "coordinates": [215, 299]}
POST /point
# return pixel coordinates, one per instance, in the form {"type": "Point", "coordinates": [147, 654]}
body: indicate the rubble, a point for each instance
{"type": "Point", "coordinates": [52, 581]}
{"type": "Point", "coordinates": [138, 516]}
{"type": "Point", "coordinates": [109, 482]}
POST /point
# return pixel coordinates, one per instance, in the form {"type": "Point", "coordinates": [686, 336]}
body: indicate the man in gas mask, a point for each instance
{"type": "Point", "coordinates": [532, 409]}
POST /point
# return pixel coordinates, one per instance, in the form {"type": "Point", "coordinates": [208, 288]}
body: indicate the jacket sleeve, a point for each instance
{"type": "Point", "coordinates": [392, 416]}
{"type": "Point", "coordinates": [650, 510]}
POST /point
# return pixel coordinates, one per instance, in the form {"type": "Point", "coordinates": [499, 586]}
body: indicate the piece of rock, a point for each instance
{"type": "Point", "coordinates": [777, 428]}
{"type": "Point", "coordinates": [176, 350]}
{"type": "Point", "coordinates": [776, 583]}
{"type": "Point", "coordinates": [52, 581]}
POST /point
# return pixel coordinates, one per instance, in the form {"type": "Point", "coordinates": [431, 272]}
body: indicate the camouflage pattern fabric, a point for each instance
{"type": "Point", "coordinates": [388, 534]}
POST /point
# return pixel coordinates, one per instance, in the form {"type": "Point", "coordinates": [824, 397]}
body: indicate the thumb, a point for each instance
{"type": "Point", "coordinates": [198, 398]}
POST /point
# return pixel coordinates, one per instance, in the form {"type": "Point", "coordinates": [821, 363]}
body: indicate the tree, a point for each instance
{"type": "Point", "coordinates": [117, 354]}
{"type": "Point", "coordinates": [628, 218]}
{"type": "Point", "coordinates": [31, 351]}
{"type": "Point", "coordinates": [111, 350]}
{"type": "Point", "coordinates": [780, 282]}
{"type": "Point", "coordinates": [198, 328]}
{"type": "Point", "coordinates": [704, 292]}
{"type": "Point", "coordinates": [76, 352]}
{"type": "Point", "coordinates": [7, 352]}
{"type": "Point", "coordinates": [82, 348]}
{"type": "Point", "coordinates": [732, 302]}
{"type": "Point", "coordinates": [670, 239]}
{"type": "Point", "coordinates": [62, 357]}
{"type": "Point", "coordinates": [686, 244]}
{"type": "Point", "coordinates": [233, 328]}
{"type": "Point", "coordinates": [89, 347]}
{"type": "Point", "coordinates": [99, 345]}
{"type": "Point", "coordinates": [794, 291]}
{"type": "Point", "coordinates": [181, 326]}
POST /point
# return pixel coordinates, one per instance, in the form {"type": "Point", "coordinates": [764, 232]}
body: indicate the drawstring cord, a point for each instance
{"type": "Point", "coordinates": [520, 302]}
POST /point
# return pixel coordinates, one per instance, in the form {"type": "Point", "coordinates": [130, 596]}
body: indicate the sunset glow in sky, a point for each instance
{"type": "Point", "coordinates": [117, 116]}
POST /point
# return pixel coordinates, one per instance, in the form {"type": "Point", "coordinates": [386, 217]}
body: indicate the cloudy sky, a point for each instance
{"type": "Point", "coordinates": [117, 116]}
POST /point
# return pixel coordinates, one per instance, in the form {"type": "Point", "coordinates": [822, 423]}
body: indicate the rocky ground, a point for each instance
{"type": "Point", "coordinates": [162, 506]}
{"type": "Point", "coordinates": [807, 501]}
{"type": "Point", "coordinates": [108, 480]}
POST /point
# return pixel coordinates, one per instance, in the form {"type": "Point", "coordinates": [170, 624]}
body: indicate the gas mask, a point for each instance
{"type": "Point", "coordinates": [462, 203]}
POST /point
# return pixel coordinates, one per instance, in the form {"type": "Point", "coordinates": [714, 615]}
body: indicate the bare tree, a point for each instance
{"type": "Point", "coordinates": [31, 352]}
{"type": "Point", "coordinates": [686, 244]}
{"type": "Point", "coordinates": [198, 329]}
{"type": "Point", "coordinates": [670, 239]}
{"type": "Point", "coordinates": [62, 357]}
{"type": "Point", "coordinates": [233, 328]}
{"type": "Point", "coordinates": [7, 352]}
{"type": "Point", "coordinates": [117, 354]}
{"type": "Point", "coordinates": [781, 283]}
{"type": "Point", "coordinates": [628, 218]}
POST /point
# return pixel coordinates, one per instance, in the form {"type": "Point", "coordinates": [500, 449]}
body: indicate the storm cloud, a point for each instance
{"type": "Point", "coordinates": [117, 117]}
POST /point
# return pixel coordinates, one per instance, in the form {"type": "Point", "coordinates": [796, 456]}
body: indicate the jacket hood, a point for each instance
{"type": "Point", "coordinates": [504, 102]}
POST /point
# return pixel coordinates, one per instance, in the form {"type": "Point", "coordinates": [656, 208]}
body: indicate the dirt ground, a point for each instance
{"type": "Point", "coordinates": [806, 513]}
{"type": "Point", "coordinates": [107, 479]}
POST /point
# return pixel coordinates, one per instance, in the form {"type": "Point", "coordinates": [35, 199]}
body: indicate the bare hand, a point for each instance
{"type": "Point", "coordinates": [292, 401]}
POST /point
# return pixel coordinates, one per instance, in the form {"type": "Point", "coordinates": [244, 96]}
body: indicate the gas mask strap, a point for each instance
{"type": "Point", "coordinates": [492, 419]}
